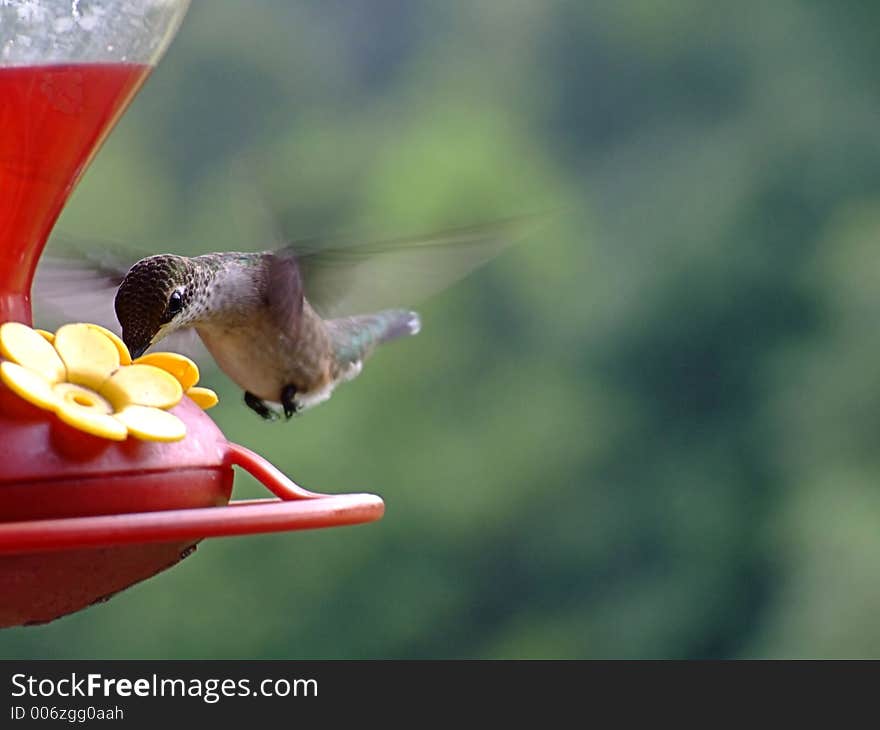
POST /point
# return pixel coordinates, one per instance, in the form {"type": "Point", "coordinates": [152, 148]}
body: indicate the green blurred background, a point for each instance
{"type": "Point", "coordinates": [650, 431]}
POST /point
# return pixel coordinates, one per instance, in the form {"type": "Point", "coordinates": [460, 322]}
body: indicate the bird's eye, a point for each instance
{"type": "Point", "coordinates": [175, 304]}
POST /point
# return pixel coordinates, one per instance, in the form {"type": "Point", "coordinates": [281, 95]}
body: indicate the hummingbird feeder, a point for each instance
{"type": "Point", "coordinates": [110, 471]}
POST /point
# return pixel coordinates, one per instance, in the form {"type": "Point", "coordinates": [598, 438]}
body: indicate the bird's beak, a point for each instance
{"type": "Point", "coordinates": [136, 352]}
{"type": "Point", "coordinates": [136, 345]}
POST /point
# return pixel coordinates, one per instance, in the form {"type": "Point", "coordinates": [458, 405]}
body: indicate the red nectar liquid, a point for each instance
{"type": "Point", "coordinates": [53, 119]}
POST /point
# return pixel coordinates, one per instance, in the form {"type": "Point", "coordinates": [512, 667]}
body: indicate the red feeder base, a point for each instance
{"type": "Point", "coordinates": [131, 511]}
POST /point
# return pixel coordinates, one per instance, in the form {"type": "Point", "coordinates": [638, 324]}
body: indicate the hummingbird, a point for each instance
{"type": "Point", "coordinates": [251, 313]}
{"type": "Point", "coordinates": [291, 324]}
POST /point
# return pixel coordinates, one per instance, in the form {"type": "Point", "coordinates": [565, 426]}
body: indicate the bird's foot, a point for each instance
{"type": "Point", "coordinates": [288, 401]}
{"type": "Point", "coordinates": [259, 407]}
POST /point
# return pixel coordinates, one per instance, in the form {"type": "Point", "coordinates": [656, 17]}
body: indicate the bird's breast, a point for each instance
{"type": "Point", "coordinates": [263, 360]}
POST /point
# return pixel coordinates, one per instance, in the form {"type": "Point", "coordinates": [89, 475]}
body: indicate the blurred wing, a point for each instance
{"type": "Point", "coordinates": [342, 278]}
{"type": "Point", "coordinates": [285, 291]}
{"type": "Point", "coordinates": [77, 281]}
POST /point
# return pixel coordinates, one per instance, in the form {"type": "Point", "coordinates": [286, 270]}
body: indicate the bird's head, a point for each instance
{"type": "Point", "coordinates": [153, 300]}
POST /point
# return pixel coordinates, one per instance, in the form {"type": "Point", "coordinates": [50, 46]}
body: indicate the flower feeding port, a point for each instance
{"type": "Point", "coordinates": [89, 507]}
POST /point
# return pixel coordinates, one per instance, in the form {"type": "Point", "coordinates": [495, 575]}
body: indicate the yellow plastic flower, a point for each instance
{"type": "Point", "coordinates": [84, 374]}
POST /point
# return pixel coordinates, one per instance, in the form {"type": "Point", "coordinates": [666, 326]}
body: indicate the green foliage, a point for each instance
{"type": "Point", "coordinates": [648, 432]}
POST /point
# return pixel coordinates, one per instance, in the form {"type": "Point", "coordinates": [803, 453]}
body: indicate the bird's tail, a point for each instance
{"type": "Point", "coordinates": [394, 323]}
{"type": "Point", "coordinates": [355, 337]}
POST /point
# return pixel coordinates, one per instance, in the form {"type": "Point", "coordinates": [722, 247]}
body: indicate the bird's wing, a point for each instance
{"type": "Point", "coordinates": [77, 281]}
{"type": "Point", "coordinates": [346, 277]}
{"type": "Point", "coordinates": [284, 290]}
